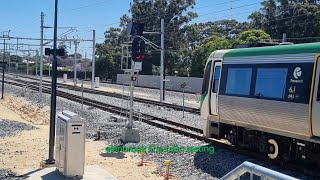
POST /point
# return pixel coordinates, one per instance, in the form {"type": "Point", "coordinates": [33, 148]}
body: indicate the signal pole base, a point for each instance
{"type": "Point", "coordinates": [130, 135]}
{"type": "Point", "coordinates": [46, 163]}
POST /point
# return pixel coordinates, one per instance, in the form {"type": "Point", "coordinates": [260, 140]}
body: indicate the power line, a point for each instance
{"type": "Point", "coordinates": [206, 20]}
{"type": "Point", "coordinates": [152, 16]}
{"type": "Point", "coordinates": [65, 11]}
{"type": "Point", "coordinates": [201, 7]}
{"type": "Point", "coordinates": [82, 7]}
{"type": "Point", "coordinates": [289, 7]}
{"type": "Point", "coordinates": [247, 5]}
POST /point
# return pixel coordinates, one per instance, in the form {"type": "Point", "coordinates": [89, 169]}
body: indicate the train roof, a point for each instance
{"type": "Point", "coordinates": [274, 50]}
{"type": "Point", "coordinates": [219, 53]}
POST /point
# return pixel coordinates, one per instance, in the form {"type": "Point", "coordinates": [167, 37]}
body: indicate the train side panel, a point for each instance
{"type": "Point", "coordinates": [268, 101]}
{"type": "Point", "coordinates": [267, 94]}
{"type": "Point", "coordinates": [288, 119]}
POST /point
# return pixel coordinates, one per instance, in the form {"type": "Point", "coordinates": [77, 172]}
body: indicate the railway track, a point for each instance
{"type": "Point", "coordinates": [117, 95]}
{"type": "Point", "coordinates": [106, 107]}
{"type": "Point", "coordinates": [182, 129]}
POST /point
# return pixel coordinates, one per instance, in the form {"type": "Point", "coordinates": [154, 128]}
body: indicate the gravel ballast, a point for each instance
{"type": "Point", "coordinates": [8, 175]}
{"type": "Point", "coordinates": [153, 94]}
{"type": "Point", "coordinates": [190, 119]}
{"type": "Point", "coordinates": [190, 166]}
{"type": "Point", "coordinates": [11, 128]}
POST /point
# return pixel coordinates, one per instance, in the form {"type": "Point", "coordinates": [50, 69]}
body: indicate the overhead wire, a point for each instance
{"type": "Point", "coordinates": [64, 11]}
{"type": "Point", "coordinates": [98, 3]}
{"type": "Point", "coordinates": [247, 5]}
{"type": "Point", "coordinates": [201, 7]}
{"type": "Point", "coordinates": [277, 19]}
{"type": "Point", "coordinates": [153, 16]}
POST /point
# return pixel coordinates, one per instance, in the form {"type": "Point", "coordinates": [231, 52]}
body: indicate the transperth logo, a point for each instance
{"type": "Point", "coordinates": [297, 72]}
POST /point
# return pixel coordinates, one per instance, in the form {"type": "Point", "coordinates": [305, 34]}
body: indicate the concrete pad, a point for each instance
{"type": "Point", "coordinates": [90, 173]}
{"type": "Point", "coordinates": [130, 135]}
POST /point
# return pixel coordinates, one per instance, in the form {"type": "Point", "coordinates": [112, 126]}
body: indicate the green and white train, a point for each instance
{"type": "Point", "coordinates": [266, 99]}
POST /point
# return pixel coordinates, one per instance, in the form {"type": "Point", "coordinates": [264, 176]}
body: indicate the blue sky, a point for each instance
{"type": "Point", "coordinates": [22, 17]}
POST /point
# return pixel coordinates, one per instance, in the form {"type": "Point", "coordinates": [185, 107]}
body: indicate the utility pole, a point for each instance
{"type": "Point", "coordinates": [28, 63]}
{"type": "Point", "coordinates": [53, 89]}
{"type": "Point", "coordinates": [130, 124]}
{"type": "Point", "coordinates": [284, 37]}
{"type": "Point", "coordinates": [121, 56]}
{"type": "Point", "coordinates": [50, 62]}
{"type": "Point", "coordinates": [85, 70]}
{"type": "Point", "coordinates": [8, 59]}
{"type": "Point", "coordinates": [41, 57]}
{"type": "Point", "coordinates": [93, 58]}
{"type": "Point", "coordinates": [17, 55]}
{"type": "Point", "coordinates": [75, 62]}
{"type": "Point", "coordinates": [161, 48]}
{"type": "Point", "coordinates": [127, 67]}
{"type": "Point", "coordinates": [3, 65]}
{"type": "Point", "coordinates": [37, 56]}
{"type": "Point", "coordinates": [4, 52]}
{"type": "Point", "coordinates": [49, 67]}
{"type": "Point", "coordinates": [161, 62]}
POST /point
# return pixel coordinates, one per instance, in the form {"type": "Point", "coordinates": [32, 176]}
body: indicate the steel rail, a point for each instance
{"type": "Point", "coordinates": [117, 95]}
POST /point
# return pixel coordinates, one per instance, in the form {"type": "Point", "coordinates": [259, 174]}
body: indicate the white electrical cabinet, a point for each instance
{"type": "Point", "coordinates": [65, 77]}
{"type": "Point", "coordinates": [97, 82]}
{"type": "Point", "coordinates": [70, 144]}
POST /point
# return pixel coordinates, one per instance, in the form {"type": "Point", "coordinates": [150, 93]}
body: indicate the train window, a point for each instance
{"type": "Point", "coordinates": [206, 78]}
{"type": "Point", "coordinates": [238, 81]}
{"type": "Point", "coordinates": [215, 84]}
{"type": "Point", "coordinates": [271, 82]}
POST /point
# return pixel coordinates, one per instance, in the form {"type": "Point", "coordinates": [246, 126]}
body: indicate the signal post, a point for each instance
{"type": "Point", "coordinates": [130, 134]}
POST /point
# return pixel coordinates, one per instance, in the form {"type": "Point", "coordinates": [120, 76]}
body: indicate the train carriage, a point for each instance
{"type": "Point", "coordinates": [266, 99]}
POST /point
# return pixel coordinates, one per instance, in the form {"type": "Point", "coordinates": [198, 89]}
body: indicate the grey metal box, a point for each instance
{"type": "Point", "coordinates": [70, 144]}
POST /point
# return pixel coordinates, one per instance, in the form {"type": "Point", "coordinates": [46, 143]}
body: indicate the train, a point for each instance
{"type": "Point", "coordinates": [265, 99]}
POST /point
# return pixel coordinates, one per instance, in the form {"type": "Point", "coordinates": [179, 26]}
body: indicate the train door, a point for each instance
{"type": "Point", "coordinates": [316, 101]}
{"type": "Point", "coordinates": [215, 87]}
{"type": "Point", "coordinates": [205, 93]}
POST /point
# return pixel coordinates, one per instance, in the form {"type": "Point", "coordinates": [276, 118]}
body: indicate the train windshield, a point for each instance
{"type": "Point", "coordinates": [206, 78]}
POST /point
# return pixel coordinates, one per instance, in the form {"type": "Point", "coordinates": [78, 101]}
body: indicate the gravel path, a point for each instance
{"type": "Point", "coordinates": [10, 128]}
{"type": "Point", "coordinates": [190, 166]}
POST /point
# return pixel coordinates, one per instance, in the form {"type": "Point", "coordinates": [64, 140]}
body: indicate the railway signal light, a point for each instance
{"type": "Point", "coordinates": [3, 64]}
{"type": "Point", "coordinates": [135, 28]}
{"type": "Point", "coordinates": [138, 49]}
{"type": "Point", "coordinates": [48, 52]}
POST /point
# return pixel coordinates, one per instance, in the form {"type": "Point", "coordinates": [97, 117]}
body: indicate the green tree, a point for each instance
{"type": "Point", "coordinates": [15, 58]}
{"type": "Point", "coordinates": [253, 35]}
{"type": "Point", "coordinates": [296, 18]}
{"type": "Point", "coordinates": [256, 20]}
{"type": "Point", "coordinates": [197, 32]}
{"type": "Point", "coordinates": [200, 54]}
{"type": "Point", "coordinates": [176, 14]}
{"type": "Point", "coordinates": [105, 64]}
